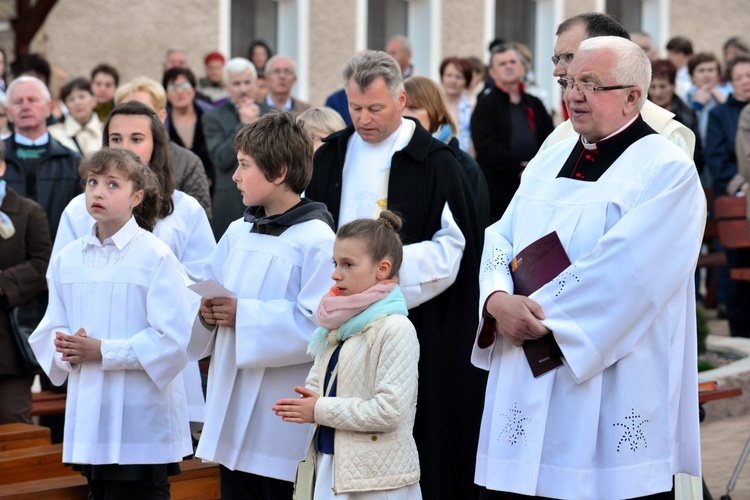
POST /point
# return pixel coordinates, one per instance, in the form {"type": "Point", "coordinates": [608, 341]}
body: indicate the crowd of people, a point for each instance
{"type": "Point", "coordinates": [354, 267]}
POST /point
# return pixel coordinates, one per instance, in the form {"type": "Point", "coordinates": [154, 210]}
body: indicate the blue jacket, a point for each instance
{"type": "Point", "coordinates": [719, 147]}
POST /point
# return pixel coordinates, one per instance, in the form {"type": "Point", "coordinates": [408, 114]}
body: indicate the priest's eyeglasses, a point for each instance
{"type": "Point", "coordinates": [565, 59]}
{"type": "Point", "coordinates": [587, 88]}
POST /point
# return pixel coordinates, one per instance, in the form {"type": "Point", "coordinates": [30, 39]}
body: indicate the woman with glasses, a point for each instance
{"type": "Point", "coordinates": [184, 114]}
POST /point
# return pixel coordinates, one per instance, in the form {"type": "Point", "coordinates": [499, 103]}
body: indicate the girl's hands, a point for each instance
{"type": "Point", "coordinates": [298, 410]}
{"type": "Point", "coordinates": [79, 347]}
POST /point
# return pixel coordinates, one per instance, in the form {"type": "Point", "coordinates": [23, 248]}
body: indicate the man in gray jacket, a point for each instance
{"type": "Point", "coordinates": [220, 125]}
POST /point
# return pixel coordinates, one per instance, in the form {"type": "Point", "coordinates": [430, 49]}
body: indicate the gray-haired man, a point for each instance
{"type": "Point", "coordinates": [220, 125]}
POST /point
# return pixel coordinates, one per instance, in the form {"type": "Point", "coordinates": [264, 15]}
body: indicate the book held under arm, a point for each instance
{"type": "Point", "coordinates": [533, 267]}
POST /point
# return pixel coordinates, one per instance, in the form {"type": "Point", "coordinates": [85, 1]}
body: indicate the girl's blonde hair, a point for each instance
{"type": "Point", "coordinates": [380, 236]}
{"type": "Point", "coordinates": [142, 177]}
{"type": "Point", "coordinates": [321, 119]}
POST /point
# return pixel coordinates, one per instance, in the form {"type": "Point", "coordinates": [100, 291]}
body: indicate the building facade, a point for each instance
{"type": "Point", "coordinates": [321, 35]}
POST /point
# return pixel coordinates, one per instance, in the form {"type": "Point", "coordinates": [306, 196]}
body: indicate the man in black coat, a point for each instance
{"type": "Point", "coordinates": [507, 127]}
{"type": "Point", "coordinates": [393, 162]}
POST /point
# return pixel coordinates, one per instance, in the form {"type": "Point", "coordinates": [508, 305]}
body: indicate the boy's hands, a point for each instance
{"type": "Point", "coordinates": [299, 410]}
{"type": "Point", "coordinates": [79, 347]}
{"type": "Point", "coordinates": [220, 311]}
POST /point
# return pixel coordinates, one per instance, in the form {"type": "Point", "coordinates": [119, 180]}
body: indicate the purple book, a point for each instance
{"type": "Point", "coordinates": [533, 267]}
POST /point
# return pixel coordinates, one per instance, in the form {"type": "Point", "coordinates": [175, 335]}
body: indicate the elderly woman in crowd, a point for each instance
{"type": "Point", "coordinates": [184, 115]}
{"type": "Point", "coordinates": [82, 130]}
{"type": "Point", "coordinates": [424, 101]}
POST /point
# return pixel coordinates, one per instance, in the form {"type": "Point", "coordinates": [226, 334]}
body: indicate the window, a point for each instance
{"type": "Point", "coordinates": [385, 19]}
{"type": "Point", "coordinates": [515, 21]}
{"type": "Point", "coordinates": [627, 12]}
{"type": "Point", "coordinates": [253, 20]}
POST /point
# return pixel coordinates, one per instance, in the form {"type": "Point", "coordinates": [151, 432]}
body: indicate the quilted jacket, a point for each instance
{"type": "Point", "coordinates": [374, 407]}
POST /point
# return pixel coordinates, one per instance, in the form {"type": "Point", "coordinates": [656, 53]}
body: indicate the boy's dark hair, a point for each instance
{"type": "Point", "coordinates": [596, 23]}
{"type": "Point", "coordinates": [738, 59]}
{"type": "Point", "coordinates": [161, 162]}
{"type": "Point", "coordinates": [172, 74]}
{"type": "Point", "coordinates": [380, 237]}
{"type": "Point", "coordinates": [32, 63]}
{"type": "Point", "coordinates": [143, 178]}
{"type": "Point", "coordinates": [277, 141]}
{"type": "Point", "coordinates": [700, 58]}
{"type": "Point", "coordinates": [76, 84]}
{"type": "Point", "coordinates": [108, 70]}
{"type": "Point", "coordinates": [680, 44]}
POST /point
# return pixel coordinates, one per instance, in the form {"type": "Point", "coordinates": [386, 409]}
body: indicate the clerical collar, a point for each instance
{"type": "Point", "coordinates": [593, 145]}
{"type": "Point", "coordinates": [588, 164]}
{"type": "Point", "coordinates": [25, 141]}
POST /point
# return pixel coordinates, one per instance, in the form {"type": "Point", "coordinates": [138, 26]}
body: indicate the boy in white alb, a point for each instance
{"type": "Point", "coordinates": [277, 263]}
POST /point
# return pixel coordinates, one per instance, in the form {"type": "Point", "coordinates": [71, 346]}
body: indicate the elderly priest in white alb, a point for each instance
{"type": "Point", "coordinates": [620, 417]}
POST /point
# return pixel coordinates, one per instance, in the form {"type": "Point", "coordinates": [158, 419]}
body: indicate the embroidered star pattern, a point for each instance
{"type": "Point", "coordinates": [632, 434]}
{"type": "Point", "coordinates": [565, 278]}
{"type": "Point", "coordinates": [498, 259]}
{"type": "Point", "coordinates": [514, 426]}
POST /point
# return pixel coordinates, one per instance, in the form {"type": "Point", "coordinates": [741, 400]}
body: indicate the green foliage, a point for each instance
{"type": "Point", "coordinates": [705, 366]}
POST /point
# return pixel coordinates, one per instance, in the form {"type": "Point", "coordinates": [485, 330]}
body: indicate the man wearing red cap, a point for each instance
{"type": "Point", "coordinates": [211, 85]}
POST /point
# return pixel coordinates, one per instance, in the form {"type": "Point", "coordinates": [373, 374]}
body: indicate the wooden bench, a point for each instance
{"type": "Point", "coordinates": [30, 464]}
{"type": "Point", "coordinates": [46, 403]}
{"type": "Point", "coordinates": [734, 229]}
{"type": "Point", "coordinates": [14, 436]}
{"type": "Point", "coordinates": [198, 481]}
{"type": "Point", "coordinates": [713, 259]}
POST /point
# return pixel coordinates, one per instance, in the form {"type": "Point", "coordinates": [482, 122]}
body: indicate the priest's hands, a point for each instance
{"type": "Point", "coordinates": [299, 410]}
{"type": "Point", "coordinates": [517, 317]}
{"type": "Point", "coordinates": [78, 347]}
{"type": "Point", "coordinates": [220, 311]}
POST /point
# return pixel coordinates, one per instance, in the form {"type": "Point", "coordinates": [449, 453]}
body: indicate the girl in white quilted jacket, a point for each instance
{"type": "Point", "coordinates": [364, 443]}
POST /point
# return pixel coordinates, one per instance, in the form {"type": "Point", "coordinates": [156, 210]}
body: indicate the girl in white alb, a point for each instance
{"type": "Point", "coordinates": [181, 222]}
{"type": "Point", "coordinates": [362, 389]}
{"type": "Point", "coordinates": [117, 329]}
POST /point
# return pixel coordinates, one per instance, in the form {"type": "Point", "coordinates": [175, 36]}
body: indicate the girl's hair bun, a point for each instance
{"type": "Point", "coordinates": [391, 220]}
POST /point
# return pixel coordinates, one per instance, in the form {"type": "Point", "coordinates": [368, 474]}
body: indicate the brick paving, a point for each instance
{"type": "Point", "coordinates": [722, 443]}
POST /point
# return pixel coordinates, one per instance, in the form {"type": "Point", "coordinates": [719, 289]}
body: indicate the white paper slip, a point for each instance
{"type": "Point", "coordinates": [210, 289]}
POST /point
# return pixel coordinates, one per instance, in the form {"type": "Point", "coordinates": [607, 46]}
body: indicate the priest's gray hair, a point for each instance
{"type": "Point", "coordinates": [633, 66]}
{"type": "Point", "coordinates": [238, 65]}
{"type": "Point", "coordinates": [368, 66]}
